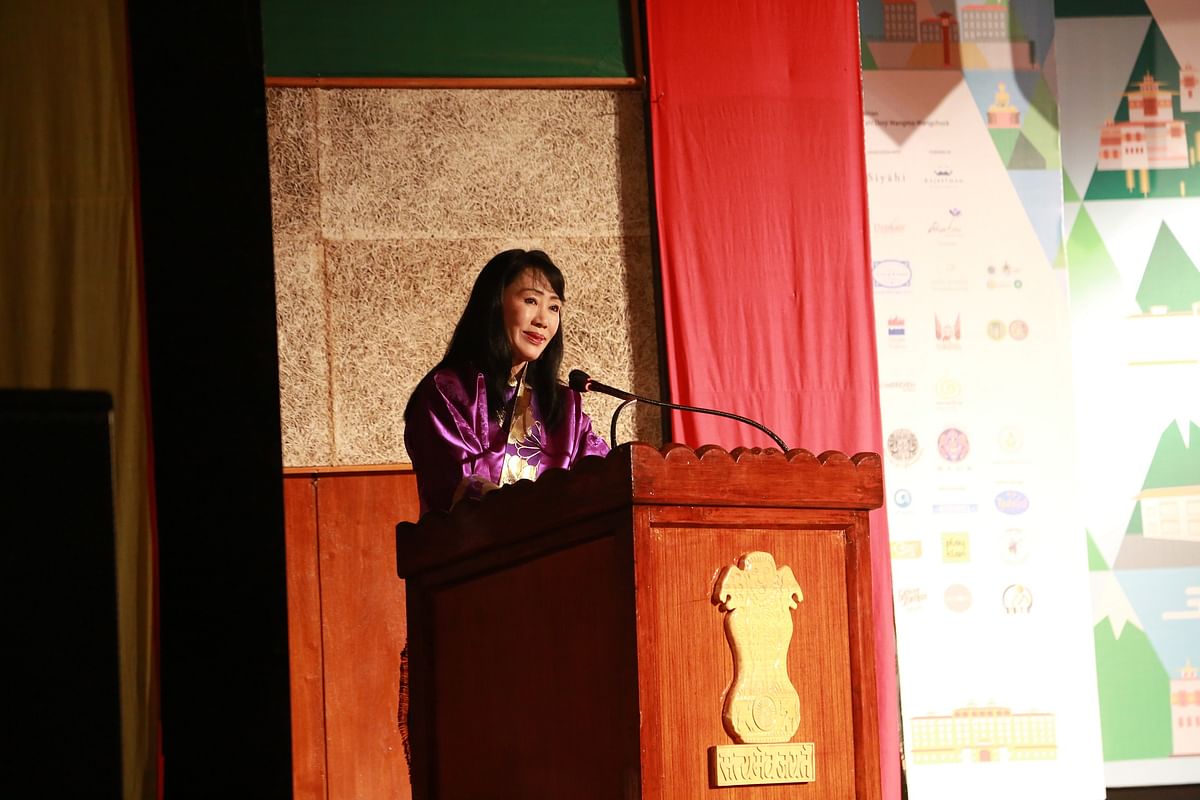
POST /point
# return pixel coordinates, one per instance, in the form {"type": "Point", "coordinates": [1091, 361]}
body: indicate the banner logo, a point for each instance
{"type": "Point", "coordinates": [948, 332]}
{"type": "Point", "coordinates": [1017, 599]}
{"type": "Point", "coordinates": [1016, 544]}
{"type": "Point", "coordinates": [892, 273]}
{"type": "Point", "coordinates": [903, 447]}
{"type": "Point", "coordinates": [957, 598]}
{"type": "Point", "coordinates": [953, 445]}
{"type": "Point", "coordinates": [1012, 502]}
{"type": "Point", "coordinates": [906, 550]}
{"type": "Point", "coordinates": [956, 548]}
{"type": "Point", "coordinates": [911, 599]}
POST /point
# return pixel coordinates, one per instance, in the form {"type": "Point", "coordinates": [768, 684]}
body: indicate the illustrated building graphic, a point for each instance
{"type": "Point", "coordinates": [1189, 89]}
{"type": "Point", "coordinates": [900, 20]}
{"type": "Point", "coordinates": [985, 23]}
{"type": "Point", "coordinates": [1185, 712]}
{"type": "Point", "coordinates": [982, 734]}
{"type": "Point", "coordinates": [1151, 139]}
{"type": "Point", "coordinates": [1171, 512]}
{"type": "Point", "coordinates": [1002, 113]}
{"type": "Point", "coordinates": [941, 29]}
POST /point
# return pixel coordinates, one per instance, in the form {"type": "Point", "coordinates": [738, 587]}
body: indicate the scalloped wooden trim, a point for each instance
{"type": "Point", "coordinates": [676, 453]}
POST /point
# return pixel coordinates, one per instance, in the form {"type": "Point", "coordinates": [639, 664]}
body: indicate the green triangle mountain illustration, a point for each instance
{"type": "Point", "coordinates": [1025, 155]}
{"type": "Point", "coordinates": [1091, 272]}
{"type": "Point", "coordinates": [1060, 258]}
{"type": "Point", "coordinates": [1096, 562]}
{"type": "Point", "coordinates": [1134, 528]}
{"type": "Point", "coordinates": [1004, 139]}
{"type": "Point", "coordinates": [1135, 695]}
{"type": "Point", "coordinates": [867, 60]}
{"type": "Point", "coordinates": [1171, 280]}
{"type": "Point", "coordinates": [1175, 463]}
{"type": "Point", "coordinates": [1040, 125]}
{"type": "Point", "coordinates": [1069, 193]}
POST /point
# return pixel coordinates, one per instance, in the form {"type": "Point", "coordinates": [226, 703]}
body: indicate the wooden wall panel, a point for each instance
{"type": "Point", "coordinates": [304, 638]}
{"type": "Point", "coordinates": [363, 631]}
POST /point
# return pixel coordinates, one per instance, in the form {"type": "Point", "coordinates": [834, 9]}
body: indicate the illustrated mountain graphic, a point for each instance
{"type": "Point", "coordinates": [1096, 562]}
{"type": "Point", "coordinates": [1092, 275]}
{"type": "Point", "coordinates": [1171, 281]}
{"type": "Point", "coordinates": [1175, 463]}
{"type": "Point", "coordinates": [868, 60]}
{"type": "Point", "coordinates": [1135, 692]}
{"type": "Point", "coordinates": [1040, 126]}
{"type": "Point", "coordinates": [1155, 59]}
{"type": "Point", "coordinates": [1134, 528]}
{"type": "Point", "coordinates": [1025, 155]}
{"type": "Point", "coordinates": [1005, 140]}
{"type": "Point", "coordinates": [1069, 193]}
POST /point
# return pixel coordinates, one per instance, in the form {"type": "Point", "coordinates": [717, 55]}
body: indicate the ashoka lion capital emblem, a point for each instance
{"type": "Point", "coordinates": [762, 705]}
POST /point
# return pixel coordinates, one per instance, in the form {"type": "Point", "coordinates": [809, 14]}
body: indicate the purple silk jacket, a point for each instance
{"type": "Point", "coordinates": [450, 436]}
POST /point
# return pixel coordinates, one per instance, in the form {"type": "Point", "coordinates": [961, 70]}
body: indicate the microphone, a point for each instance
{"type": "Point", "coordinates": [581, 382]}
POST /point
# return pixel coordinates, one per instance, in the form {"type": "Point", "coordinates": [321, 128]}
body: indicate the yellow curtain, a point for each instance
{"type": "Point", "coordinates": [70, 313]}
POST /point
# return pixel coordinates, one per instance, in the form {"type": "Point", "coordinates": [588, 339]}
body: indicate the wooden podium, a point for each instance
{"type": "Point", "coordinates": [577, 637]}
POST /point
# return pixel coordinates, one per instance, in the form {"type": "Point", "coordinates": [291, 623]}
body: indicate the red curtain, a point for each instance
{"type": "Point", "coordinates": [756, 121]}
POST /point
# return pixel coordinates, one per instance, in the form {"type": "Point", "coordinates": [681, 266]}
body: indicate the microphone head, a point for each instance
{"type": "Point", "coordinates": [579, 380]}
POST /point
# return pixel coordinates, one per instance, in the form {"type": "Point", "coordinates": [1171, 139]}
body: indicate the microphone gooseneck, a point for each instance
{"type": "Point", "coordinates": [581, 382]}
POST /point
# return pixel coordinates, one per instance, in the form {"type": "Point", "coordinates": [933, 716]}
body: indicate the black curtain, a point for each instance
{"type": "Point", "coordinates": [205, 225]}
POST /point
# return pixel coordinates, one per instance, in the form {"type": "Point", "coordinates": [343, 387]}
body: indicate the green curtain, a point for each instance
{"type": "Point", "coordinates": [70, 315]}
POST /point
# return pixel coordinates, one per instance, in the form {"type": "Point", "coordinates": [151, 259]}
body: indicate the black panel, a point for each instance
{"type": "Point", "coordinates": [205, 219]}
{"type": "Point", "coordinates": [56, 511]}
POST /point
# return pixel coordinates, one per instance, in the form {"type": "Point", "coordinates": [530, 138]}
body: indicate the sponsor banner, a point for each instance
{"type": "Point", "coordinates": [993, 613]}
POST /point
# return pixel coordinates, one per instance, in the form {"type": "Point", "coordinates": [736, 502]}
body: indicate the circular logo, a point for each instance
{"type": "Point", "coordinates": [1018, 283]}
{"type": "Point", "coordinates": [902, 498]}
{"type": "Point", "coordinates": [953, 445]}
{"type": "Point", "coordinates": [995, 330]}
{"type": "Point", "coordinates": [1011, 439]}
{"type": "Point", "coordinates": [957, 597]}
{"type": "Point", "coordinates": [902, 446]}
{"type": "Point", "coordinates": [948, 390]}
{"type": "Point", "coordinates": [1018, 329]}
{"type": "Point", "coordinates": [1016, 544]}
{"type": "Point", "coordinates": [1017, 599]}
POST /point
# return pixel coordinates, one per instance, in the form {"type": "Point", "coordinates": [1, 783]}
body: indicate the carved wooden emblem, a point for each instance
{"type": "Point", "coordinates": [762, 708]}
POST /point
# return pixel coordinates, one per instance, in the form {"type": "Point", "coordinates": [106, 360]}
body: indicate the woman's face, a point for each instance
{"type": "Point", "coordinates": [531, 309]}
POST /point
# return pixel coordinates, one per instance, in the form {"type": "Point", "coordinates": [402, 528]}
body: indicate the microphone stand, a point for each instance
{"type": "Point", "coordinates": [580, 382]}
{"type": "Point", "coordinates": [612, 428]}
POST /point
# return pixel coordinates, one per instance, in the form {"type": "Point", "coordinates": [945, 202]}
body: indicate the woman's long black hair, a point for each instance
{"type": "Point", "coordinates": [481, 343]}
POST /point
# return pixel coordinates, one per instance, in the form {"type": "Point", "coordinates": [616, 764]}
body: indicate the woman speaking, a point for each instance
{"type": "Point", "coordinates": [493, 411]}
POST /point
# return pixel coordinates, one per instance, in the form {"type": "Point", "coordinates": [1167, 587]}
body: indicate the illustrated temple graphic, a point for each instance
{"type": "Point", "coordinates": [1151, 139]}
{"type": "Point", "coordinates": [1185, 711]}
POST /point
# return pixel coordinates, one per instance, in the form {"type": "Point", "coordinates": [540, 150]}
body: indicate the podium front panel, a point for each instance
{"type": "Point", "coordinates": [529, 686]}
{"type": "Point", "coordinates": [685, 660]}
